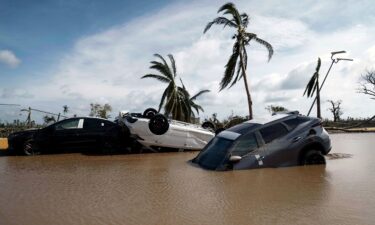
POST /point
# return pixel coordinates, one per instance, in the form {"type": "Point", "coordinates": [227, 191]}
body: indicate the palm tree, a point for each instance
{"type": "Point", "coordinates": [173, 99]}
{"type": "Point", "coordinates": [313, 86]}
{"type": "Point", "coordinates": [190, 101]}
{"type": "Point", "coordinates": [238, 59]}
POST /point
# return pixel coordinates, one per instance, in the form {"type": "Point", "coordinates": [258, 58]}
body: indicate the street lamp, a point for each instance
{"type": "Point", "coordinates": [334, 60]}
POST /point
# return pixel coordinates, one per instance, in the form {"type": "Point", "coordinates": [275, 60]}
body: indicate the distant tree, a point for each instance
{"type": "Point", "coordinates": [99, 110]}
{"type": "Point", "coordinates": [336, 109]}
{"type": "Point", "coordinates": [49, 119]}
{"type": "Point", "coordinates": [190, 101]}
{"type": "Point", "coordinates": [313, 86]}
{"type": "Point", "coordinates": [65, 109]}
{"type": "Point", "coordinates": [367, 85]}
{"type": "Point", "coordinates": [175, 100]}
{"type": "Point", "coordinates": [275, 108]}
{"type": "Point", "coordinates": [238, 59]}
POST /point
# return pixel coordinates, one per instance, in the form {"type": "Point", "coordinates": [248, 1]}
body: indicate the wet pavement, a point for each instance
{"type": "Point", "coordinates": [163, 188]}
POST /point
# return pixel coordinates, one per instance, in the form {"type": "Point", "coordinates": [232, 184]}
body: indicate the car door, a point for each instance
{"type": "Point", "coordinates": [66, 134]}
{"type": "Point", "coordinates": [93, 132]}
{"type": "Point", "coordinates": [273, 145]}
{"type": "Point", "coordinates": [249, 148]}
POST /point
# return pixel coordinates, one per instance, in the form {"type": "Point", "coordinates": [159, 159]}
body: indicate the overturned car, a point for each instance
{"type": "Point", "coordinates": [154, 131]}
{"type": "Point", "coordinates": [278, 141]}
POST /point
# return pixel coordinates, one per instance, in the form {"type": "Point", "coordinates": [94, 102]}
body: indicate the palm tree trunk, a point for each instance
{"type": "Point", "coordinates": [249, 101]}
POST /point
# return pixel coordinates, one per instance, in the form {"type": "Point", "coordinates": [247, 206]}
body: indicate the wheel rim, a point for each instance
{"type": "Point", "coordinates": [28, 148]}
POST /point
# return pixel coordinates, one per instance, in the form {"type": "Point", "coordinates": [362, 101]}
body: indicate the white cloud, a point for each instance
{"type": "Point", "coordinates": [107, 66]}
{"type": "Point", "coordinates": [9, 58]}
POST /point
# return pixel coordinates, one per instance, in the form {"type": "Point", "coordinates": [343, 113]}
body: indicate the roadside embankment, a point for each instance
{"type": "Point", "coordinates": [350, 130]}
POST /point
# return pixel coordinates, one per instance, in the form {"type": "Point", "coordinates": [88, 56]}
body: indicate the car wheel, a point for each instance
{"type": "Point", "coordinates": [209, 126]}
{"type": "Point", "coordinates": [149, 113]}
{"type": "Point", "coordinates": [29, 148]}
{"type": "Point", "coordinates": [158, 124]}
{"type": "Point", "coordinates": [313, 157]}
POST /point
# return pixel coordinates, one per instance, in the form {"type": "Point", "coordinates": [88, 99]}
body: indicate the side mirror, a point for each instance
{"type": "Point", "coordinates": [235, 159]}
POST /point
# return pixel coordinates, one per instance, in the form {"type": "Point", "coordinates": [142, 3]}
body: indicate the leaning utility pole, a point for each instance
{"type": "Point", "coordinates": [334, 60]}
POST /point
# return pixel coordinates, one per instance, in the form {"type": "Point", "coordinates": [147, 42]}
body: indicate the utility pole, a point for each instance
{"type": "Point", "coordinates": [334, 61]}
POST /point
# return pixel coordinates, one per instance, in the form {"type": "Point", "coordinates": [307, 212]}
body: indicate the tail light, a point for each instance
{"type": "Point", "coordinates": [318, 124]}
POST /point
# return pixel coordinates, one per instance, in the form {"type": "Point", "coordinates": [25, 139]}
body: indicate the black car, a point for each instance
{"type": "Point", "coordinates": [278, 141]}
{"type": "Point", "coordinates": [73, 133]}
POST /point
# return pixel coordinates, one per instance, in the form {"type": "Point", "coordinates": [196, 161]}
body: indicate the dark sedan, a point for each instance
{"type": "Point", "coordinates": [279, 141]}
{"type": "Point", "coordinates": [73, 133]}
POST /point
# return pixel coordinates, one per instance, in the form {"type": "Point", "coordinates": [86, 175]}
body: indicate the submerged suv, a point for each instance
{"type": "Point", "coordinates": [280, 140]}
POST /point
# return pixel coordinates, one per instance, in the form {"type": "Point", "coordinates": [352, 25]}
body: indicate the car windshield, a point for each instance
{"type": "Point", "coordinates": [214, 153]}
{"type": "Point", "coordinates": [244, 127]}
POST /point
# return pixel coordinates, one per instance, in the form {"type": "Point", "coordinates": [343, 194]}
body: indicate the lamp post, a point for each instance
{"type": "Point", "coordinates": [334, 61]}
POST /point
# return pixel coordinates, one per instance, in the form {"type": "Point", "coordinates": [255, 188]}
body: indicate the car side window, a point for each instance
{"type": "Point", "coordinates": [70, 124]}
{"type": "Point", "coordinates": [94, 124]}
{"type": "Point", "coordinates": [245, 144]}
{"type": "Point", "coordinates": [273, 132]}
{"type": "Point", "coordinates": [293, 123]}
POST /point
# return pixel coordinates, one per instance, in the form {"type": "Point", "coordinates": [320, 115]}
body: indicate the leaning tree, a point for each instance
{"type": "Point", "coordinates": [238, 59]}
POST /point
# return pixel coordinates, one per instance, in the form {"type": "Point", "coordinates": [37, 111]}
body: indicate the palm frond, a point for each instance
{"type": "Point", "coordinates": [267, 45]}
{"type": "Point", "coordinates": [244, 19]}
{"type": "Point", "coordinates": [230, 67]}
{"type": "Point", "coordinates": [165, 95]}
{"type": "Point", "coordinates": [162, 69]}
{"type": "Point", "coordinates": [158, 77]}
{"type": "Point", "coordinates": [164, 62]}
{"type": "Point", "coordinates": [318, 65]}
{"type": "Point", "coordinates": [310, 87]}
{"type": "Point", "coordinates": [219, 21]}
{"type": "Point", "coordinates": [230, 8]}
{"type": "Point", "coordinates": [173, 63]}
{"type": "Point", "coordinates": [198, 94]}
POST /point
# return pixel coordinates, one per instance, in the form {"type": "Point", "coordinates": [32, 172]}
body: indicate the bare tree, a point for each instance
{"type": "Point", "coordinates": [336, 109]}
{"type": "Point", "coordinates": [367, 85]}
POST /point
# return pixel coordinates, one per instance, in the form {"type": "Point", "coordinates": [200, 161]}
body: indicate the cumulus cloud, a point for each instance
{"type": "Point", "coordinates": [9, 58]}
{"type": "Point", "coordinates": [106, 67]}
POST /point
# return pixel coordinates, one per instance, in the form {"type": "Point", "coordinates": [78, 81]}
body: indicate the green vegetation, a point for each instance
{"type": "Point", "coordinates": [99, 110]}
{"type": "Point", "coordinates": [175, 100]}
{"type": "Point", "coordinates": [238, 59]}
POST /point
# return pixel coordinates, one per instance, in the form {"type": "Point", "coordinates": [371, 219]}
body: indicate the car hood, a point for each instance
{"type": "Point", "coordinates": [24, 132]}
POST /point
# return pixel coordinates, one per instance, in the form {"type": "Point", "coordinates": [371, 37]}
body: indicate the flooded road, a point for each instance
{"type": "Point", "coordinates": [165, 189]}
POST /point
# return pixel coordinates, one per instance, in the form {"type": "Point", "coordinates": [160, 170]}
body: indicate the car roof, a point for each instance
{"type": "Point", "coordinates": [268, 118]}
{"type": "Point", "coordinates": [87, 117]}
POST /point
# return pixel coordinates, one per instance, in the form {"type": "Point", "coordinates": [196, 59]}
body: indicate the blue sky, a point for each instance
{"type": "Point", "coordinates": [54, 53]}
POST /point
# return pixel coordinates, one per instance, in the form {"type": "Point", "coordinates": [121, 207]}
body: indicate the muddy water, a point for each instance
{"type": "Point", "coordinates": [164, 189]}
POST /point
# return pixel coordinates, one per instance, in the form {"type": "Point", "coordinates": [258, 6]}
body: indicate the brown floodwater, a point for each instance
{"type": "Point", "coordinates": [165, 189]}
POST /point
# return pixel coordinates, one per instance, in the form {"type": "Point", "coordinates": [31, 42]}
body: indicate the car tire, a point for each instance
{"type": "Point", "coordinates": [208, 125]}
{"type": "Point", "coordinates": [313, 157]}
{"type": "Point", "coordinates": [149, 113]}
{"type": "Point", "coordinates": [29, 148]}
{"type": "Point", "coordinates": [158, 124]}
